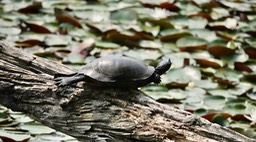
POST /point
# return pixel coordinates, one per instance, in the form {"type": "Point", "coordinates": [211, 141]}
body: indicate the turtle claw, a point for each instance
{"type": "Point", "coordinates": [61, 81]}
{"type": "Point", "coordinates": [68, 79]}
{"type": "Point", "coordinates": [59, 78]}
{"type": "Point", "coordinates": [58, 82]}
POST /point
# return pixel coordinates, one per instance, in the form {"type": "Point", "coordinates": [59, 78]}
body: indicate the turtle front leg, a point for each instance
{"type": "Point", "coordinates": [68, 79]}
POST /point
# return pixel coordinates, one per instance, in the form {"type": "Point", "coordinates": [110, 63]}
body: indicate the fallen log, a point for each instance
{"type": "Point", "coordinates": [96, 114]}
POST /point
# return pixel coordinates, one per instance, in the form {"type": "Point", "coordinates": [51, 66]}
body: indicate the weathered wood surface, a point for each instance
{"type": "Point", "coordinates": [96, 114]}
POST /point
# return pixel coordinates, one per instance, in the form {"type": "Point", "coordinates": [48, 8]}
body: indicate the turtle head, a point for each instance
{"type": "Point", "coordinates": [163, 66]}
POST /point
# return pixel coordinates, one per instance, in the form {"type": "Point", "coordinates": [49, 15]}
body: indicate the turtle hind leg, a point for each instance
{"type": "Point", "coordinates": [68, 79]}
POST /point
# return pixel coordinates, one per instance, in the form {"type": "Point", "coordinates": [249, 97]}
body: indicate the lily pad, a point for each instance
{"type": "Point", "coordinates": [219, 92]}
{"type": "Point", "coordinates": [169, 96]}
{"type": "Point", "coordinates": [10, 30]}
{"type": "Point", "coordinates": [154, 30]}
{"type": "Point", "coordinates": [191, 44]}
{"type": "Point", "coordinates": [56, 137]}
{"type": "Point", "coordinates": [107, 45]}
{"type": "Point", "coordinates": [213, 63]}
{"type": "Point", "coordinates": [183, 75]}
{"type": "Point", "coordinates": [57, 40]}
{"type": "Point", "coordinates": [219, 48]}
{"type": "Point", "coordinates": [251, 42]}
{"type": "Point", "coordinates": [194, 98]}
{"type": "Point", "coordinates": [242, 67]}
{"type": "Point", "coordinates": [235, 107]}
{"type": "Point", "coordinates": [204, 34]}
{"type": "Point", "coordinates": [74, 58]}
{"type": "Point", "coordinates": [237, 5]}
{"type": "Point", "coordinates": [155, 88]}
{"type": "Point", "coordinates": [239, 56]}
{"type": "Point", "coordinates": [240, 89]}
{"type": "Point", "coordinates": [143, 54]}
{"type": "Point", "coordinates": [124, 15]}
{"type": "Point", "coordinates": [173, 34]}
{"type": "Point", "coordinates": [197, 23]}
{"type": "Point", "coordinates": [252, 95]}
{"type": "Point", "coordinates": [210, 116]}
{"type": "Point", "coordinates": [206, 84]}
{"type": "Point", "coordinates": [219, 119]}
{"type": "Point", "coordinates": [218, 13]}
{"type": "Point", "coordinates": [150, 44]}
{"type": "Point", "coordinates": [163, 23]}
{"type": "Point", "coordinates": [214, 102]}
{"type": "Point", "coordinates": [64, 17]}
{"type": "Point", "coordinates": [251, 77]}
{"type": "Point", "coordinates": [34, 128]}
{"type": "Point", "coordinates": [251, 52]}
{"type": "Point", "coordinates": [201, 112]}
{"type": "Point", "coordinates": [187, 8]}
{"type": "Point", "coordinates": [228, 74]}
{"type": "Point", "coordinates": [13, 136]}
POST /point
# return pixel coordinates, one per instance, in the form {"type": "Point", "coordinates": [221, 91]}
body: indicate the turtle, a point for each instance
{"type": "Point", "coordinates": [116, 72]}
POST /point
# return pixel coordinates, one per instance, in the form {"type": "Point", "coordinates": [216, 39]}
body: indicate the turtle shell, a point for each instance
{"type": "Point", "coordinates": [118, 70]}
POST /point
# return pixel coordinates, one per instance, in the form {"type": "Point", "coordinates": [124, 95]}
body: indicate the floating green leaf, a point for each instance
{"type": "Point", "coordinates": [214, 102]}
{"type": "Point", "coordinates": [107, 45]}
{"type": "Point", "coordinates": [34, 128]}
{"type": "Point", "coordinates": [57, 40]}
{"type": "Point", "coordinates": [14, 136]}
{"type": "Point", "coordinates": [55, 137]}
{"type": "Point", "coordinates": [173, 34]}
{"type": "Point", "coordinates": [191, 43]}
{"type": "Point", "coordinates": [150, 44]}
{"type": "Point", "coordinates": [220, 120]}
{"type": "Point", "coordinates": [206, 84]}
{"type": "Point", "coordinates": [184, 75]}
{"type": "Point", "coordinates": [197, 23]}
{"type": "Point", "coordinates": [124, 15]}
{"type": "Point", "coordinates": [235, 107]}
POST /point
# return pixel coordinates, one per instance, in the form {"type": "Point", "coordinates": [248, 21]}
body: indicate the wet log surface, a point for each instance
{"type": "Point", "coordinates": [96, 114]}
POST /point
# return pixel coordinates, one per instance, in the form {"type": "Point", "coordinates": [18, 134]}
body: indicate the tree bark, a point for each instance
{"type": "Point", "coordinates": [96, 114]}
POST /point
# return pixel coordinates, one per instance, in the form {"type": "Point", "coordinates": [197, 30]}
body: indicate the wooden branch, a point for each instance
{"type": "Point", "coordinates": [90, 114]}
